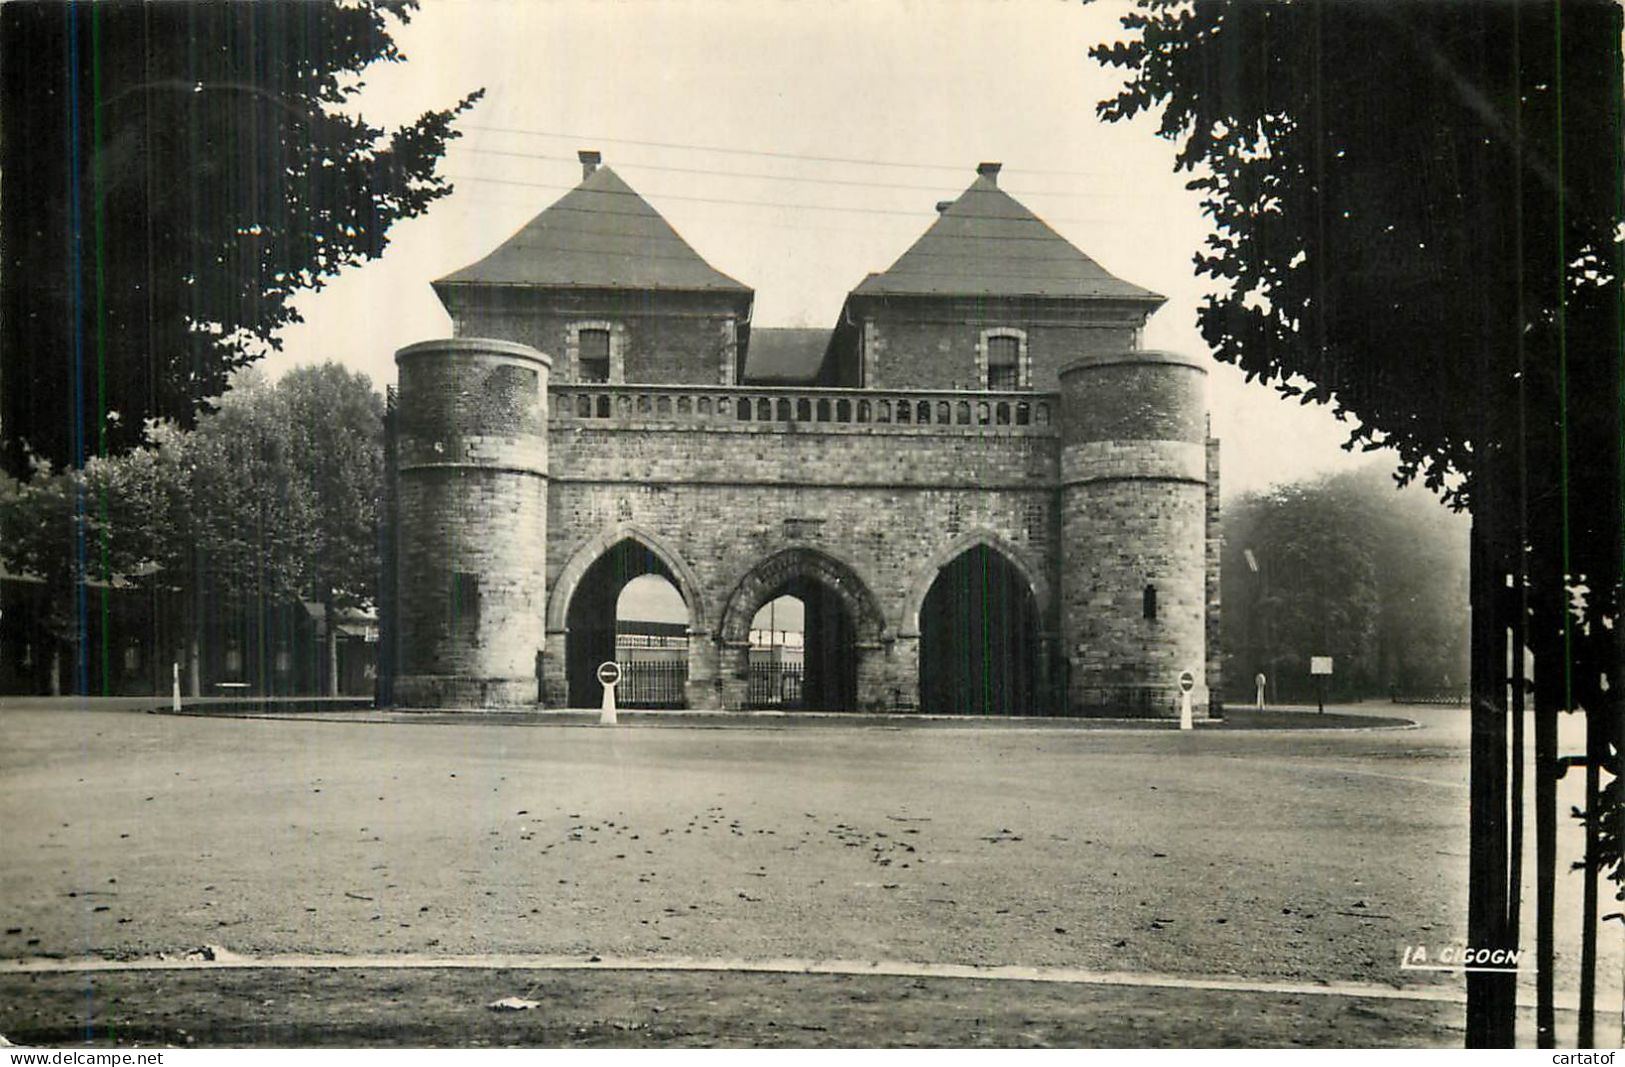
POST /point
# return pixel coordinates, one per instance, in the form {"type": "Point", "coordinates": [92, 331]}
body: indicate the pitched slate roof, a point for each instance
{"type": "Point", "coordinates": [988, 244]}
{"type": "Point", "coordinates": [782, 355]}
{"type": "Point", "coordinates": [599, 235]}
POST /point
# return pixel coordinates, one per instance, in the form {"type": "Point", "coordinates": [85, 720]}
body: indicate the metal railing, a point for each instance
{"type": "Point", "coordinates": [775, 685]}
{"type": "Point", "coordinates": [652, 684]}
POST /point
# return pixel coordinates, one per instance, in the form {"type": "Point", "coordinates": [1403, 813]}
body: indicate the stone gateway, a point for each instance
{"type": "Point", "coordinates": [988, 497]}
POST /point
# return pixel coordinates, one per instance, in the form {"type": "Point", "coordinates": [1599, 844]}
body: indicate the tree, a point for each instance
{"type": "Point", "coordinates": [175, 174]}
{"type": "Point", "coordinates": [1421, 555]}
{"type": "Point", "coordinates": [337, 441]}
{"type": "Point", "coordinates": [252, 517]}
{"type": "Point", "coordinates": [1316, 590]}
{"type": "Point", "coordinates": [79, 533]}
{"type": "Point", "coordinates": [1348, 567]}
{"type": "Point", "coordinates": [1416, 219]}
{"type": "Point", "coordinates": [273, 498]}
{"type": "Point", "coordinates": [38, 522]}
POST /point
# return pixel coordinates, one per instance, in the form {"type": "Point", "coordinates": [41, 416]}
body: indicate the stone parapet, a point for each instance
{"type": "Point", "coordinates": [747, 409]}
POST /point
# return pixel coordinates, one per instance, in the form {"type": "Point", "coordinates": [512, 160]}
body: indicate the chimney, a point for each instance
{"type": "Point", "coordinates": [590, 158]}
{"type": "Point", "coordinates": [990, 171]}
{"type": "Point", "coordinates": [944, 205]}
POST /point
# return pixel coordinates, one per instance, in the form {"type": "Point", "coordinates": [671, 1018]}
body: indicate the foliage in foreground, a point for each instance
{"type": "Point", "coordinates": [1416, 219]}
{"type": "Point", "coordinates": [176, 173]}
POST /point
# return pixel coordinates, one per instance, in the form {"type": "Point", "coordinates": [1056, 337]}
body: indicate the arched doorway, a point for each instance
{"type": "Point", "coordinates": [622, 609]}
{"type": "Point", "coordinates": [840, 623]}
{"type": "Point", "coordinates": [651, 643]}
{"type": "Point", "coordinates": [979, 638]}
{"type": "Point", "coordinates": [802, 654]}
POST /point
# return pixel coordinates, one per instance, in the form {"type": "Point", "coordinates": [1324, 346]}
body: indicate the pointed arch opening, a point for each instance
{"type": "Point", "coordinates": [816, 667]}
{"type": "Point", "coordinates": [979, 638]}
{"type": "Point", "coordinates": [629, 606]}
{"type": "Point", "coordinates": [802, 651]}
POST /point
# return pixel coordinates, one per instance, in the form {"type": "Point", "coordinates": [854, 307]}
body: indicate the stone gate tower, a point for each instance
{"type": "Point", "coordinates": [1133, 504]}
{"type": "Point", "coordinates": [987, 496]}
{"type": "Point", "coordinates": [471, 500]}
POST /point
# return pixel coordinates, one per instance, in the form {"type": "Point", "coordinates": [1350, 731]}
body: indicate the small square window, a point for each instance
{"type": "Point", "coordinates": [464, 603]}
{"type": "Point", "coordinates": [593, 346]}
{"type": "Point", "coordinates": [1003, 363]}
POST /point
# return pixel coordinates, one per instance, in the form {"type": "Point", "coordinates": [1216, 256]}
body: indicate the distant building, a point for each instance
{"type": "Point", "coordinates": [987, 495]}
{"type": "Point", "coordinates": [131, 643]}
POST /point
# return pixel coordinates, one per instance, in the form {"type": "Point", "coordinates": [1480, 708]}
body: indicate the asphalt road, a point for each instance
{"type": "Point", "coordinates": [1290, 856]}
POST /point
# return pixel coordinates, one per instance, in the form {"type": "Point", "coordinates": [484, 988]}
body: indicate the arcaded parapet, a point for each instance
{"type": "Point", "coordinates": [1133, 511]}
{"type": "Point", "coordinates": [471, 463]}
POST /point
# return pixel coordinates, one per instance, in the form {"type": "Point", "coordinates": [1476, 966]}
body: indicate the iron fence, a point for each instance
{"type": "Point", "coordinates": [775, 685]}
{"type": "Point", "coordinates": [652, 684]}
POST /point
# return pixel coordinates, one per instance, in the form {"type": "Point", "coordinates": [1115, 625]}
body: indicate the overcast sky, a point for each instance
{"type": "Point", "coordinates": [797, 146]}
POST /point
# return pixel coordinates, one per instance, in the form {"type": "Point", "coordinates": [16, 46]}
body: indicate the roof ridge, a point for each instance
{"type": "Point", "coordinates": [964, 253]}
{"type": "Point", "coordinates": [632, 247]}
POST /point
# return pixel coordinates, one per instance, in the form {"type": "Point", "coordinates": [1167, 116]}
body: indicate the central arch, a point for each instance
{"type": "Point", "coordinates": [843, 622]}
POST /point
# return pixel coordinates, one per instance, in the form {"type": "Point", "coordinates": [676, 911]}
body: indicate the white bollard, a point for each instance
{"type": "Point", "coordinates": [175, 686]}
{"type": "Point", "coordinates": [609, 676]}
{"type": "Point", "coordinates": [1185, 716]}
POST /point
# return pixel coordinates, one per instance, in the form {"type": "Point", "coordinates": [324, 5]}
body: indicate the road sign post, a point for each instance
{"type": "Point", "coordinates": [1187, 682]}
{"type": "Point", "coordinates": [609, 676]}
{"type": "Point", "coordinates": [175, 686]}
{"type": "Point", "coordinates": [1321, 668]}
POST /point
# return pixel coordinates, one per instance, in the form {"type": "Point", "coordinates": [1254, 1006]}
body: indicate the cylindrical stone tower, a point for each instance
{"type": "Point", "coordinates": [1133, 532]}
{"type": "Point", "coordinates": [471, 452]}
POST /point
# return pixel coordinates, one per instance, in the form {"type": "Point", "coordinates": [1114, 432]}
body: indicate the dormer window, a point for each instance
{"type": "Point", "coordinates": [596, 351]}
{"type": "Point", "coordinates": [1003, 361]}
{"type": "Point", "coordinates": [594, 348]}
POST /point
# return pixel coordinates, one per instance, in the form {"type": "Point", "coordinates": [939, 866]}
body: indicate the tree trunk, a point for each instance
{"type": "Point", "coordinates": [1491, 996]}
{"type": "Point", "coordinates": [56, 670]}
{"type": "Point", "coordinates": [1586, 1029]}
{"type": "Point", "coordinates": [194, 670]}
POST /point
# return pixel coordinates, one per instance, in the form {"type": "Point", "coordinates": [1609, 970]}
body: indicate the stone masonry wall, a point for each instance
{"type": "Point", "coordinates": [471, 496]}
{"type": "Point", "coordinates": [891, 508]}
{"type": "Point", "coordinates": [910, 348]}
{"type": "Point", "coordinates": [1138, 533]}
{"type": "Point", "coordinates": [1093, 495]}
{"type": "Point", "coordinates": [1134, 521]}
{"type": "Point", "coordinates": [671, 338]}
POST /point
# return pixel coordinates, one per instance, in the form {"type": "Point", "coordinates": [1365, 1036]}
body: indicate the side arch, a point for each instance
{"type": "Point", "coordinates": [563, 587]}
{"type": "Point", "coordinates": [754, 588]}
{"type": "Point", "coordinates": [909, 623]}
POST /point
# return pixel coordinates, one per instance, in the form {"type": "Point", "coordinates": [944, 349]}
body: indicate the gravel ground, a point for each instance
{"type": "Point", "coordinates": [1310, 856]}
{"type": "Point", "coordinates": [587, 1009]}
